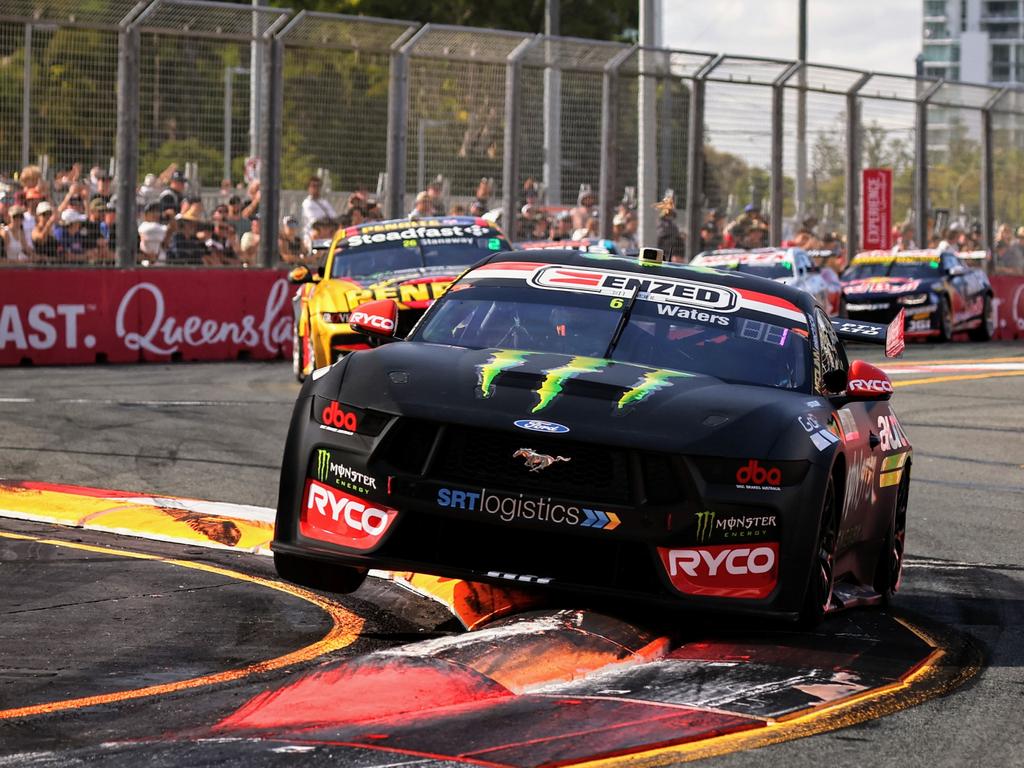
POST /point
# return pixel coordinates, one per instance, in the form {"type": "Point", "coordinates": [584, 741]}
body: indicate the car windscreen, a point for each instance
{"type": "Point", "coordinates": [370, 257]}
{"type": "Point", "coordinates": [771, 271]}
{"type": "Point", "coordinates": [739, 346]}
{"type": "Point", "coordinates": [894, 268]}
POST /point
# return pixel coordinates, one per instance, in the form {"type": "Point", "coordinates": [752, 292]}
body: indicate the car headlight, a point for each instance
{"type": "Point", "coordinates": [334, 317]}
{"type": "Point", "coordinates": [917, 298]}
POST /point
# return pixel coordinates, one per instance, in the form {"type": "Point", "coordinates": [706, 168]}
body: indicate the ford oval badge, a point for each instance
{"type": "Point", "coordinates": [541, 426]}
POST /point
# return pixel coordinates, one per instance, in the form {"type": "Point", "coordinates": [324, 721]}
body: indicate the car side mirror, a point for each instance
{"type": "Point", "coordinates": [867, 382]}
{"type": "Point", "coordinates": [377, 320]}
{"type": "Point", "coordinates": [300, 275]}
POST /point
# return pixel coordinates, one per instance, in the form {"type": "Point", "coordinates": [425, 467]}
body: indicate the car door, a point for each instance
{"type": "Point", "coordinates": [956, 279]}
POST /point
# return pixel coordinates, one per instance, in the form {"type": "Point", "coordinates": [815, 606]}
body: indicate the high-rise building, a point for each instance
{"type": "Point", "coordinates": [976, 41]}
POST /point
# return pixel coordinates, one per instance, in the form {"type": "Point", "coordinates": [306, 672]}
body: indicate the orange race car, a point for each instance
{"type": "Point", "coordinates": [410, 261]}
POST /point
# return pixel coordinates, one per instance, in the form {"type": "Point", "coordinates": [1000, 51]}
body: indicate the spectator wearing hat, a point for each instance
{"type": "Point", "coordinates": [173, 196]}
{"type": "Point", "coordinates": [584, 210]}
{"type": "Point", "coordinates": [434, 189]}
{"type": "Point", "coordinates": [72, 242]}
{"type": "Point", "coordinates": [92, 227]}
{"type": "Point", "coordinates": [44, 243]}
{"type": "Point", "coordinates": [290, 246]}
{"type": "Point", "coordinates": [152, 235]}
{"type": "Point", "coordinates": [234, 215]}
{"type": "Point", "coordinates": [249, 243]}
{"type": "Point", "coordinates": [222, 246]}
{"type": "Point", "coordinates": [323, 229]}
{"type": "Point", "coordinates": [670, 239]}
{"type": "Point", "coordinates": [104, 184]}
{"type": "Point", "coordinates": [624, 240]}
{"type": "Point", "coordinates": [373, 210]}
{"type": "Point", "coordinates": [562, 227]}
{"type": "Point", "coordinates": [423, 208]}
{"type": "Point", "coordinates": [314, 207]}
{"type": "Point", "coordinates": [16, 245]}
{"type": "Point", "coordinates": [186, 247]}
{"type": "Point", "coordinates": [32, 185]}
{"type": "Point", "coordinates": [355, 210]}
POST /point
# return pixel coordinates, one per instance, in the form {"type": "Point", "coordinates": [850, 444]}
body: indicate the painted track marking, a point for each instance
{"type": "Point", "coordinates": [345, 629]}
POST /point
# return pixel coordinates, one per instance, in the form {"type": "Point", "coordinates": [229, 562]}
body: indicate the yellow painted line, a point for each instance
{"type": "Point", "coordinates": [957, 361]}
{"type": "Point", "coordinates": [959, 377]}
{"type": "Point", "coordinates": [345, 629]}
{"type": "Point", "coordinates": [915, 687]}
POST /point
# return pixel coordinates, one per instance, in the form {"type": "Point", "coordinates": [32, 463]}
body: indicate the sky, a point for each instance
{"type": "Point", "coordinates": [880, 35]}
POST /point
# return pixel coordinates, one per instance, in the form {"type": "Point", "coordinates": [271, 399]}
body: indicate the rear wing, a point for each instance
{"type": "Point", "coordinates": [874, 333]}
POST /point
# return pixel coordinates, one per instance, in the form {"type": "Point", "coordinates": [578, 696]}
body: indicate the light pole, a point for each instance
{"type": "Point", "coordinates": [801, 112]}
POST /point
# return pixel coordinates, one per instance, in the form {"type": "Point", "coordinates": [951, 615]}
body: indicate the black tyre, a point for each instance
{"type": "Point", "coordinates": [945, 320]}
{"type": "Point", "coordinates": [316, 574]}
{"type": "Point", "coordinates": [987, 329]}
{"type": "Point", "coordinates": [821, 579]}
{"type": "Point", "coordinates": [889, 571]}
{"type": "Point", "coordinates": [297, 354]}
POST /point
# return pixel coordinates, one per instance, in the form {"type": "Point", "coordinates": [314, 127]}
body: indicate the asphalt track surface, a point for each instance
{"type": "Point", "coordinates": [215, 431]}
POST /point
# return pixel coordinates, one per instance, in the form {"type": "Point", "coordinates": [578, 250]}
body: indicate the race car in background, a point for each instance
{"type": "Point", "coordinates": [791, 266]}
{"type": "Point", "coordinates": [410, 261]}
{"type": "Point", "coordinates": [583, 246]}
{"type": "Point", "coordinates": [595, 424]}
{"type": "Point", "coordinates": [941, 294]}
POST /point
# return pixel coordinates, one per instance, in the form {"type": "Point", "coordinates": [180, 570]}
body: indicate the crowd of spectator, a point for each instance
{"type": "Point", "coordinates": [72, 220]}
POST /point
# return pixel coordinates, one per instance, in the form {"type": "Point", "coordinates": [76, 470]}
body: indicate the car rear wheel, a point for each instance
{"type": "Point", "coordinates": [316, 574]}
{"type": "Point", "coordinates": [987, 329]}
{"type": "Point", "coordinates": [889, 571]}
{"type": "Point", "coordinates": [821, 579]}
{"type": "Point", "coordinates": [945, 320]}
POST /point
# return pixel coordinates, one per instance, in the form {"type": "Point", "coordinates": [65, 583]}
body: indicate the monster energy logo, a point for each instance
{"type": "Point", "coordinates": [705, 523]}
{"type": "Point", "coordinates": [648, 384]}
{"type": "Point", "coordinates": [500, 361]}
{"type": "Point", "coordinates": [552, 385]}
{"type": "Point", "coordinates": [323, 464]}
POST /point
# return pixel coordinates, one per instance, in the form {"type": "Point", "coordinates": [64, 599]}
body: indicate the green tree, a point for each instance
{"type": "Point", "coordinates": [599, 19]}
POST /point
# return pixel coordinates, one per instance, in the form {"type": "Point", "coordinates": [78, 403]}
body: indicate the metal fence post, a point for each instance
{"type": "Point", "coordinates": [988, 207]}
{"type": "Point", "coordinates": [852, 171]}
{"type": "Point", "coordinates": [398, 106]}
{"type": "Point", "coordinates": [127, 144]}
{"type": "Point", "coordinates": [778, 120]}
{"type": "Point", "coordinates": [610, 137]}
{"type": "Point", "coordinates": [921, 165]}
{"type": "Point", "coordinates": [510, 154]}
{"type": "Point", "coordinates": [26, 99]}
{"type": "Point", "coordinates": [695, 159]}
{"type": "Point", "coordinates": [270, 143]}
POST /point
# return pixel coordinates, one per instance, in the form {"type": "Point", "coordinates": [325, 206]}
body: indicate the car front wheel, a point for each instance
{"type": "Point", "coordinates": [821, 579]}
{"type": "Point", "coordinates": [987, 329]}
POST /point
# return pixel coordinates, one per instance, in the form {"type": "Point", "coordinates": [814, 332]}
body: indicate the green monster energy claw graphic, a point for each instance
{"type": "Point", "coordinates": [552, 385]}
{"type": "Point", "coordinates": [648, 384]}
{"type": "Point", "coordinates": [323, 464]}
{"type": "Point", "coordinates": [500, 361]}
{"type": "Point", "coordinates": [705, 521]}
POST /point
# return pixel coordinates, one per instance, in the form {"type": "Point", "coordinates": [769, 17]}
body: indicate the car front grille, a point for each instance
{"type": "Point", "coordinates": [479, 457]}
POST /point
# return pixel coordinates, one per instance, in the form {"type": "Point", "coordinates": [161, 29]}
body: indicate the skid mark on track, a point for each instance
{"type": "Point", "coordinates": [344, 631]}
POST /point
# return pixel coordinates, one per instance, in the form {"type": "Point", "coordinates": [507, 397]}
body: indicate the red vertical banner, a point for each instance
{"type": "Point", "coordinates": [876, 204]}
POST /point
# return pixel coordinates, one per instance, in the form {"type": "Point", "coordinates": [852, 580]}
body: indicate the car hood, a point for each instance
{"type": "Point", "coordinates": [596, 399]}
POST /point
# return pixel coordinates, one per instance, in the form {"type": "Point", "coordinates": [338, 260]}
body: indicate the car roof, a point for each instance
{"type": "Point", "coordinates": [875, 257]}
{"type": "Point", "coordinates": [736, 280]}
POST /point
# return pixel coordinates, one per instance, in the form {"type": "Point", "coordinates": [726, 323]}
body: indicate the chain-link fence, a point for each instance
{"type": "Point", "coordinates": [207, 113]}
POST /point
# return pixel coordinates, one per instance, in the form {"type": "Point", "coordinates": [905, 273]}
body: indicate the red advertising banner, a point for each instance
{"type": "Point", "coordinates": [54, 317]}
{"type": "Point", "coordinates": [1009, 306]}
{"type": "Point", "coordinates": [876, 205]}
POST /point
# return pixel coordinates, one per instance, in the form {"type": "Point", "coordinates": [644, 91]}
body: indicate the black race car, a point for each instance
{"type": "Point", "coordinates": [941, 294]}
{"type": "Point", "coordinates": [598, 424]}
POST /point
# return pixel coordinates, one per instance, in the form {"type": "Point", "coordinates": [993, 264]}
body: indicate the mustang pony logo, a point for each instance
{"type": "Point", "coordinates": [537, 461]}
